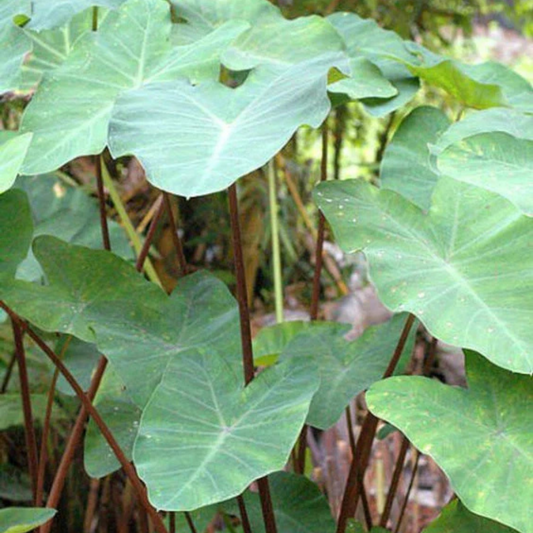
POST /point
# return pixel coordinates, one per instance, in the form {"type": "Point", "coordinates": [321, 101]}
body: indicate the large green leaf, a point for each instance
{"type": "Point", "coordinates": [345, 368]}
{"type": "Point", "coordinates": [70, 112]}
{"type": "Point", "coordinates": [204, 437]}
{"type": "Point", "coordinates": [198, 140]}
{"type": "Point", "coordinates": [23, 519]}
{"type": "Point", "coordinates": [46, 15]}
{"type": "Point", "coordinates": [366, 40]}
{"type": "Point", "coordinates": [13, 150]}
{"type": "Point", "coordinates": [495, 161]}
{"type": "Point", "coordinates": [68, 213]}
{"type": "Point", "coordinates": [299, 506]}
{"type": "Point", "coordinates": [82, 282]}
{"type": "Point", "coordinates": [11, 409]}
{"type": "Point", "coordinates": [272, 340]}
{"type": "Point", "coordinates": [406, 167]}
{"type": "Point", "coordinates": [481, 437]}
{"type": "Point", "coordinates": [479, 86]}
{"type": "Point", "coordinates": [466, 276]}
{"type": "Point", "coordinates": [16, 233]}
{"type": "Point", "coordinates": [456, 518]}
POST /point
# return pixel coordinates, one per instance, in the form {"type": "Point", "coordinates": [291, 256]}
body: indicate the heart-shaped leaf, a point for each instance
{"type": "Point", "coordinates": [13, 149]}
{"type": "Point", "coordinates": [17, 231]}
{"type": "Point", "coordinates": [456, 518]}
{"type": "Point", "coordinates": [70, 112]}
{"type": "Point", "coordinates": [24, 519]}
{"type": "Point", "coordinates": [220, 436]}
{"type": "Point", "coordinates": [79, 282]}
{"type": "Point", "coordinates": [495, 161]}
{"type": "Point", "coordinates": [441, 266]}
{"type": "Point", "coordinates": [345, 368]}
{"type": "Point", "coordinates": [365, 39]}
{"type": "Point", "coordinates": [406, 167]}
{"type": "Point", "coordinates": [299, 506]}
{"type": "Point", "coordinates": [481, 437]}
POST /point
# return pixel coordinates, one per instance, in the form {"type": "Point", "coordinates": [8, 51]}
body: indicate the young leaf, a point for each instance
{"type": "Point", "coordinates": [13, 150]}
{"type": "Point", "coordinates": [17, 231]}
{"type": "Point", "coordinates": [365, 39]}
{"type": "Point", "coordinates": [299, 506]}
{"type": "Point", "coordinates": [479, 86]}
{"type": "Point", "coordinates": [480, 437]}
{"type": "Point", "coordinates": [441, 267]}
{"type": "Point", "coordinates": [204, 437]}
{"type": "Point", "coordinates": [456, 518]}
{"type": "Point", "coordinates": [69, 114]}
{"type": "Point", "coordinates": [23, 519]}
{"type": "Point", "coordinates": [405, 167]}
{"type": "Point", "coordinates": [495, 161]}
{"type": "Point", "coordinates": [345, 368]}
{"type": "Point", "coordinates": [272, 340]}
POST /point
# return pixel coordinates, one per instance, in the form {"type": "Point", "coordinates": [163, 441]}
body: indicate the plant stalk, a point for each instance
{"type": "Point", "coordinates": [126, 222]}
{"type": "Point", "coordinates": [407, 494]}
{"type": "Point", "coordinates": [182, 261]}
{"type": "Point", "coordinates": [106, 433]}
{"type": "Point", "coordinates": [101, 197]}
{"type": "Point", "coordinates": [29, 428]}
{"type": "Point", "coordinates": [246, 340]}
{"type": "Point", "coordinates": [364, 444]}
{"type": "Point", "coordinates": [276, 250]}
{"type": "Point", "coordinates": [143, 254]}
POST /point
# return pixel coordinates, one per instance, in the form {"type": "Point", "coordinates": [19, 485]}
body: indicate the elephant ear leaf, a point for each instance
{"type": "Point", "coordinates": [480, 437]}
{"type": "Point", "coordinates": [440, 265]}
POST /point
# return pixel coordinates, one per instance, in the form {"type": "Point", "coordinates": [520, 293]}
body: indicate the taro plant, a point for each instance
{"type": "Point", "coordinates": [202, 93]}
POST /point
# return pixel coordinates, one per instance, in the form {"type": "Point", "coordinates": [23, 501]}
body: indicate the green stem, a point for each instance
{"type": "Point", "coordinates": [276, 251]}
{"type": "Point", "coordinates": [95, 18]}
{"type": "Point", "coordinates": [134, 237]}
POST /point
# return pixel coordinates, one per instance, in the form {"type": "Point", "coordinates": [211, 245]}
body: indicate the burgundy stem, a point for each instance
{"type": "Point", "coordinates": [407, 494]}
{"type": "Point", "coordinates": [43, 455]}
{"type": "Point", "coordinates": [29, 429]}
{"type": "Point", "coordinates": [9, 372]}
{"type": "Point", "coordinates": [172, 522]}
{"type": "Point", "coordinates": [319, 262]}
{"type": "Point", "coordinates": [188, 517]}
{"type": "Point", "coordinates": [245, 521]}
{"type": "Point", "coordinates": [398, 469]}
{"type": "Point", "coordinates": [86, 402]}
{"type": "Point", "coordinates": [364, 497]}
{"type": "Point", "coordinates": [364, 444]}
{"type": "Point", "coordinates": [143, 254]}
{"type": "Point", "coordinates": [246, 340]}
{"type": "Point", "coordinates": [182, 261]}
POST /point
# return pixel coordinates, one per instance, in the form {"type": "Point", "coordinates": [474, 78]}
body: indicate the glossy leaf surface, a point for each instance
{"type": "Point", "coordinates": [204, 438]}
{"type": "Point", "coordinates": [441, 266]}
{"type": "Point", "coordinates": [481, 437]}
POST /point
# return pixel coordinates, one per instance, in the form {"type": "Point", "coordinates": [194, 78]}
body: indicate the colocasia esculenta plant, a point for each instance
{"type": "Point", "coordinates": [202, 93]}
